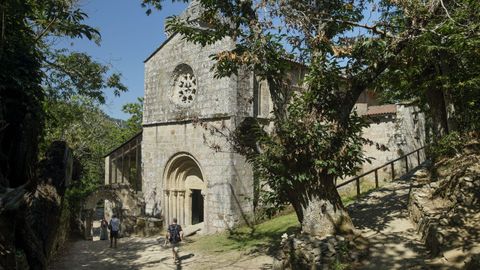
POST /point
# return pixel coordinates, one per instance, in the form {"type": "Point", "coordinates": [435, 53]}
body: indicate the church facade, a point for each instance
{"type": "Point", "coordinates": [184, 176]}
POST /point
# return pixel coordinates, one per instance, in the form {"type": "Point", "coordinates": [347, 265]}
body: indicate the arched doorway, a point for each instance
{"type": "Point", "coordinates": [184, 190]}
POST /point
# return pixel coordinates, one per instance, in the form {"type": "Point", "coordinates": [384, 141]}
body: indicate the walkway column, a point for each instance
{"type": "Point", "coordinates": [88, 224]}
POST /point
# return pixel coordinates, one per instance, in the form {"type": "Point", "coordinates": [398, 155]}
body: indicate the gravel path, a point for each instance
{"type": "Point", "coordinates": [382, 217]}
{"type": "Point", "coordinates": [148, 253]}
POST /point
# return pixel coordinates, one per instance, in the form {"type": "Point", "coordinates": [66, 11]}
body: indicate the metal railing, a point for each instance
{"type": "Point", "coordinates": [391, 163]}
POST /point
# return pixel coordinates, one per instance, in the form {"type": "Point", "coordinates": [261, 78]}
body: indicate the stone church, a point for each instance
{"type": "Point", "coordinates": [172, 163]}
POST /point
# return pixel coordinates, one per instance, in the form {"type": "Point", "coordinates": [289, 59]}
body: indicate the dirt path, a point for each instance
{"type": "Point", "coordinates": [148, 253]}
{"type": "Point", "coordinates": [382, 217]}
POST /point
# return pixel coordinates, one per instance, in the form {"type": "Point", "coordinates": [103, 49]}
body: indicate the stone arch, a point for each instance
{"type": "Point", "coordinates": [90, 205]}
{"type": "Point", "coordinates": [128, 206]}
{"type": "Point", "coordinates": [184, 189]}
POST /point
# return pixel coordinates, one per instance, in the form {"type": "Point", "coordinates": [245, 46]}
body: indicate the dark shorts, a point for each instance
{"type": "Point", "coordinates": [113, 234]}
{"type": "Point", "coordinates": [175, 246]}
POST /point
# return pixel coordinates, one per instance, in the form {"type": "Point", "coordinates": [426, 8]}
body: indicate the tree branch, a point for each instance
{"type": "Point", "coordinates": [373, 28]}
{"type": "Point", "coordinates": [45, 30]}
{"type": "Point", "coordinates": [446, 11]}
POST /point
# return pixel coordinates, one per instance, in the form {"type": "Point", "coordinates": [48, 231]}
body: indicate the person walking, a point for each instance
{"type": "Point", "coordinates": [174, 236]}
{"type": "Point", "coordinates": [114, 227]}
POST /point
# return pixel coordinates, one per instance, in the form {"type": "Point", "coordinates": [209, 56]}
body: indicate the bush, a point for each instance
{"type": "Point", "coordinates": [448, 146]}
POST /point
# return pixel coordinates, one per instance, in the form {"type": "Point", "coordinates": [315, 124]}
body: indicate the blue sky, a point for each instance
{"type": "Point", "coordinates": [128, 37]}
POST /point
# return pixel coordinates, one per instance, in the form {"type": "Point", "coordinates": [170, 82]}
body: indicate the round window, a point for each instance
{"type": "Point", "coordinates": [185, 86]}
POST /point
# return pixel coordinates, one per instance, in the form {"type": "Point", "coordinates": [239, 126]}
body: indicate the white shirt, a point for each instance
{"type": "Point", "coordinates": [115, 223]}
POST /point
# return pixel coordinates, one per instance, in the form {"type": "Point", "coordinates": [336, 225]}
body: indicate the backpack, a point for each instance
{"type": "Point", "coordinates": [174, 231]}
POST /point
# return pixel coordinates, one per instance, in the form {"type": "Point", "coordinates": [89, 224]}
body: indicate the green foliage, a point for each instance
{"type": "Point", "coordinates": [133, 125]}
{"type": "Point", "coordinates": [20, 96]}
{"type": "Point", "coordinates": [448, 146]}
{"type": "Point", "coordinates": [441, 59]}
{"type": "Point", "coordinates": [70, 74]}
{"type": "Point", "coordinates": [338, 265]}
{"type": "Point", "coordinates": [90, 133]}
{"type": "Point", "coordinates": [85, 128]}
{"type": "Point", "coordinates": [32, 69]}
{"type": "Point", "coordinates": [307, 144]}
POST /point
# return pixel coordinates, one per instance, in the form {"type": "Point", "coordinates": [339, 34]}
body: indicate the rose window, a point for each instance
{"type": "Point", "coordinates": [185, 89]}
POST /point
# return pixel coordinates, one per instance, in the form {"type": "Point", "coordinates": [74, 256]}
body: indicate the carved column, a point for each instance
{"type": "Point", "coordinates": [182, 207]}
{"type": "Point", "coordinates": [179, 208]}
{"type": "Point", "coordinates": [204, 198]}
{"type": "Point", "coordinates": [175, 206]}
{"type": "Point", "coordinates": [166, 205]}
{"type": "Point", "coordinates": [188, 207]}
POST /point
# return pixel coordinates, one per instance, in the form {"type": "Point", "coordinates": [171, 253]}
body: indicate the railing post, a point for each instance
{"type": "Point", "coordinates": [357, 181]}
{"type": "Point", "coordinates": [418, 156]}
{"type": "Point", "coordinates": [406, 164]}
{"type": "Point", "coordinates": [393, 171]}
{"type": "Point", "coordinates": [376, 178]}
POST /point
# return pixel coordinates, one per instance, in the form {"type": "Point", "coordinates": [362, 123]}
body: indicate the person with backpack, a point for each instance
{"type": "Point", "coordinates": [174, 236]}
{"type": "Point", "coordinates": [114, 227]}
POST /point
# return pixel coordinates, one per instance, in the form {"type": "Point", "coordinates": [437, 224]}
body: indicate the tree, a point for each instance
{"type": "Point", "coordinates": [133, 125]}
{"type": "Point", "coordinates": [34, 74]}
{"type": "Point", "coordinates": [33, 69]}
{"type": "Point", "coordinates": [87, 130]}
{"type": "Point", "coordinates": [316, 137]}
{"type": "Point", "coordinates": [439, 70]}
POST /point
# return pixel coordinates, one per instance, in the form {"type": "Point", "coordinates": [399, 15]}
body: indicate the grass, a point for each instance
{"type": "Point", "coordinates": [366, 187]}
{"type": "Point", "coordinates": [264, 236]}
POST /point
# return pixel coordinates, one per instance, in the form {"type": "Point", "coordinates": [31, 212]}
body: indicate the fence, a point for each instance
{"type": "Point", "coordinates": [403, 158]}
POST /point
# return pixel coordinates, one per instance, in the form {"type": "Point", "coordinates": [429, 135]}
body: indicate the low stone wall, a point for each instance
{"type": "Point", "coordinates": [445, 209]}
{"type": "Point", "coordinates": [425, 220]}
{"type": "Point", "coordinates": [148, 226]}
{"type": "Point", "coordinates": [306, 252]}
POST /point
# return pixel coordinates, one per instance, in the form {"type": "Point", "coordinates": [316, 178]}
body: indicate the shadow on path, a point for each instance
{"type": "Point", "coordinates": [149, 253]}
{"type": "Point", "coordinates": [382, 217]}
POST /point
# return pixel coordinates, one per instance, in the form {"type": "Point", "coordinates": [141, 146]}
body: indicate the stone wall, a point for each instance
{"type": "Point", "coordinates": [213, 98]}
{"type": "Point", "coordinates": [400, 133]}
{"type": "Point", "coordinates": [392, 135]}
{"type": "Point", "coordinates": [225, 173]}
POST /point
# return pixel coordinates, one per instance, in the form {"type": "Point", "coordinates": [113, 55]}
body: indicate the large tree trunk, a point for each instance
{"type": "Point", "coordinates": [322, 216]}
{"type": "Point", "coordinates": [321, 211]}
{"type": "Point", "coordinates": [437, 111]}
